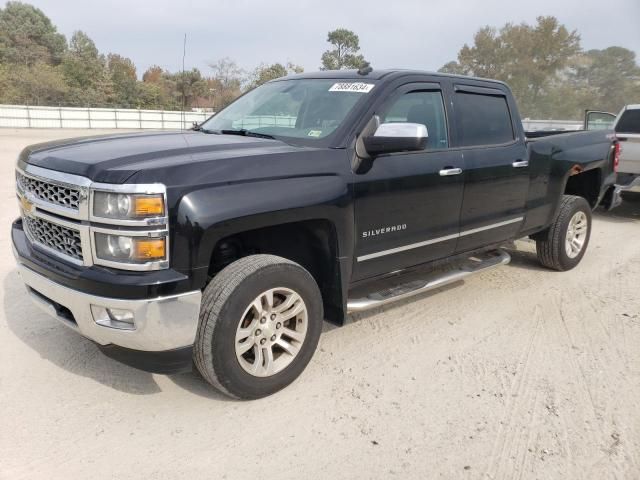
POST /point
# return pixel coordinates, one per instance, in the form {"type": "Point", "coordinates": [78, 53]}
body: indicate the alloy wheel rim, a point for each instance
{"type": "Point", "coordinates": [271, 332]}
{"type": "Point", "coordinates": [576, 234]}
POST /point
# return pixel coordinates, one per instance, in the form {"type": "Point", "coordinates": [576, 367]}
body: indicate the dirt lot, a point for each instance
{"type": "Point", "coordinates": [517, 373]}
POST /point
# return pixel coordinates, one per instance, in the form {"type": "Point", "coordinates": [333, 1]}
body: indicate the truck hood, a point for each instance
{"type": "Point", "coordinates": [117, 158]}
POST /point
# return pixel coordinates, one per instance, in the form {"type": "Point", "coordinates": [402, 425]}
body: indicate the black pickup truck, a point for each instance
{"type": "Point", "coordinates": [308, 197]}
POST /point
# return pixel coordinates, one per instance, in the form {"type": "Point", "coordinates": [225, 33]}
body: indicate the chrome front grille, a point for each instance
{"type": "Point", "coordinates": [57, 194]}
{"type": "Point", "coordinates": [61, 239]}
{"type": "Point", "coordinates": [57, 216]}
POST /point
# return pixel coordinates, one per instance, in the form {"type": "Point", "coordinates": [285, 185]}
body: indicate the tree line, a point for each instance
{"type": "Point", "coordinates": [38, 66]}
{"type": "Point", "coordinates": [550, 74]}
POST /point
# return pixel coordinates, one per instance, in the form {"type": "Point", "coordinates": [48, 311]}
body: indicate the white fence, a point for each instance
{"type": "Point", "coordinates": [257, 121]}
{"type": "Point", "coordinates": [535, 125]}
{"type": "Point", "coordinates": [21, 116]}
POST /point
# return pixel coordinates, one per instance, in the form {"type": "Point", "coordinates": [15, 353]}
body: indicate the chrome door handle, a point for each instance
{"type": "Point", "coordinates": [447, 172]}
{"type": "Point", "coordinates": [520, 164]}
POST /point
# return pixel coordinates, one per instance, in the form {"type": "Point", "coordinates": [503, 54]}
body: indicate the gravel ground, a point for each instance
{"type": "Point", "coordinates": [516, 373]}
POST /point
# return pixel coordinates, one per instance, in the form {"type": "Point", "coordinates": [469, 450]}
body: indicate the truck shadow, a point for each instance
{"type": "Point", "coordinates": [523, 256]}
{"type": "Point", "coordinates": [65, 348]}
{"type": "Point", "coordinates": [194, 383]}
{"type": "Point", "coordinates": [71, 352]}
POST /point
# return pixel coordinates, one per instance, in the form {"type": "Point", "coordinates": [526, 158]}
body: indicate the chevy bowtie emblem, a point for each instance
{"type": "Point", "coordinates": [26, 205]}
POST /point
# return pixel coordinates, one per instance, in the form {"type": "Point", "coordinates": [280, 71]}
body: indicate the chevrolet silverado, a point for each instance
{"type": "Point", "coordinates": [307, 198]}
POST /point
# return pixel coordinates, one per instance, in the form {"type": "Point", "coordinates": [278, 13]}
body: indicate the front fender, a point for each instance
{"type": "Point", "coordinates": [205, 216]}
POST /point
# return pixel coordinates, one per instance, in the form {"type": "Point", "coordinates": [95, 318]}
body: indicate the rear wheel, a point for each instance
{"type": "Point", "coordinates": [563, 245]}
{"type": "Point", "coordinates": [260, 322]}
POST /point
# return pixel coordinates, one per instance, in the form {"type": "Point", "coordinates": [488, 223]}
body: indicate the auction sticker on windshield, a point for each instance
{"type": "Point", "coordinates": [358, 87]}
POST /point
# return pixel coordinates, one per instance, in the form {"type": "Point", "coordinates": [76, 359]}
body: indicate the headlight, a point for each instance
{"type": "Point", "coordinates": [126, 206]}
{"type": "Point", "coordinates": [119, 212]}
{"type": "Point", "coordinates": [130, 249]}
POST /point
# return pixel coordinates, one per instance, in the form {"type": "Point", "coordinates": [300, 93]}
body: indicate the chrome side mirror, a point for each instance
{"type": "Point", "coordinates": [396, 137]}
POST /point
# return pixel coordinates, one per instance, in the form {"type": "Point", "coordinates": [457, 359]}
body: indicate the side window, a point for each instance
{"type": "Point", "coordinates": [423, 107]}
{"type": "Point", "coordinates": [629, 122]}
{"type": "Point", "coordinates": [483, 119]}
{"type": "Point", "coordinates": [600, 121]}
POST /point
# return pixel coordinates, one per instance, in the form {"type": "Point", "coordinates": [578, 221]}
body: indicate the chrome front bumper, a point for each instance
{"type": "Point", "coordinates": [159, 324]}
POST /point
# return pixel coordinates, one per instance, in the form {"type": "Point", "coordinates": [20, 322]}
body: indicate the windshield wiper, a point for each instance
{"type": "Point", "coordinates": [247, 133]}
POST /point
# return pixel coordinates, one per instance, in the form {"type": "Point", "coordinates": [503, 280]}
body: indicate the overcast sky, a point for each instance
{"type": "Point", "coordinates": [422, 34]}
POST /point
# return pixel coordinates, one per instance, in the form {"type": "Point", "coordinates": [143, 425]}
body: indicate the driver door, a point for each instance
{"type": "Point", "coordinates": [407, 206]}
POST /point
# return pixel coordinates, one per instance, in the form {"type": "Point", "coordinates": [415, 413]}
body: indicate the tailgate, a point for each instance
{"type": "Point", "coordinates": [630, 153]}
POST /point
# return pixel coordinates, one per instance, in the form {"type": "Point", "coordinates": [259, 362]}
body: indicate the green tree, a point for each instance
{"type": "Point", "coordinates": [345, 51]}
{"type": "Point", "coordinates": [151, 95]}
{"type": "Point", "coordinates": [27, 36]}
{"type": "Point", "coordinates": [264, 73]}
{"type": "Point", "coordinates": [40, 84]}
{"type": "Point", "coordinates": [86, 73]}
{"type": "Point", "coordinates": [123, 78]}
{"type": "Point", "coordinates": [612, 77]}
{"type": "Point", "coordinates": [153, 74]}
{"type": "Point", "coordinates": [8, 93]}
{"type": "Point", "coordinates": [527, 57]}
{"type": "Point", "coordinates": [83, 65]}
{"type": "Point", "coordinates": [158, 90]}
{"type": "Point", "coordinates": [190, 88]}
{"type": "Point", "coordinates": [165, 89]}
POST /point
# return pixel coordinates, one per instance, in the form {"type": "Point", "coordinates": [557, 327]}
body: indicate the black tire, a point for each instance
{"type": "Point", "coordinates": [224, 302]}
{"type": "Point", "coordinates": [550, 244]}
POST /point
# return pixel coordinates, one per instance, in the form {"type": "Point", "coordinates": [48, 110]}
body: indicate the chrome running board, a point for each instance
{"type": "Point", "coordinates": [398, 291]}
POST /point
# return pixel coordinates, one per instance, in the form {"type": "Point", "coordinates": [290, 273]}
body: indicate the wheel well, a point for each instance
{"type": "Point", "coordinates": [312, 244]}
{"type": "Point", "coordinates": [586, 185]}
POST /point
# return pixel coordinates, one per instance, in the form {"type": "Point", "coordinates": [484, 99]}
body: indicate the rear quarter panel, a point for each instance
{"type": "Point", "coordinates": [553, 160]}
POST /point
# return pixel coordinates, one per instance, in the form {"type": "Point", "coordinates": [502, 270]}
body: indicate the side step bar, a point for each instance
{"type": "Point", "coordinates": [475, 264]}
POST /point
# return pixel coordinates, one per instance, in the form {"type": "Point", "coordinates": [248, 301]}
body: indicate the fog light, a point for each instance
{"type": "Point", "coordinates": [113, 317]}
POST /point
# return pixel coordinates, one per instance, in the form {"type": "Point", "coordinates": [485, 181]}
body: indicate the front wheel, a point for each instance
{"type": "Point", "coordinates": [564, 243]}
{"type": "Point", "coordinates": [260, 323]}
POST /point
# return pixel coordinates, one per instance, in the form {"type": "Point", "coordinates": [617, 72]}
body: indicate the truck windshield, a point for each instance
{"type": "Point", "coordinates": [309, 109]}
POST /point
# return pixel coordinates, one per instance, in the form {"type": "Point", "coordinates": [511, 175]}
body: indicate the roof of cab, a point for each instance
{"type": "Point", "coordinates": [378, 75]}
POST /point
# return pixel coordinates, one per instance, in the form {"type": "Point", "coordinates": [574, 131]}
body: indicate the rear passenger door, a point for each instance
{"type": "Point", "coordinates": [496, 177]}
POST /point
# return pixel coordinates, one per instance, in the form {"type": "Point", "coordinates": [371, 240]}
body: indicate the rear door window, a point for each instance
{"type": "Point", "coordinates": [483, 119]}
{"type": "Point", "coordinates": [629, 122]}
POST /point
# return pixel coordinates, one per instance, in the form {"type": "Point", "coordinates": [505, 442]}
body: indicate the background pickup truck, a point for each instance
{"type": "Point", "coordinates": [627, 128]}
{"type": "Point", "coordinates": [309, 197]}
